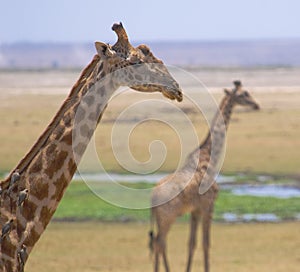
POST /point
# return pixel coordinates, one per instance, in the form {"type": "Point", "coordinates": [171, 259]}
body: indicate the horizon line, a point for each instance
{"type": "Point", "coordinates": [159, 41]}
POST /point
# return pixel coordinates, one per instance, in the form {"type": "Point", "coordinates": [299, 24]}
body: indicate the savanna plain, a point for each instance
{"type": "Point", "coordinates": [88, 234]}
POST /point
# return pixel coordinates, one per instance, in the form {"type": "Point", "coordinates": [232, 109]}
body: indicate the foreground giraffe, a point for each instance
{"type": "Point", "coordinates": [199, 167]}
{"type": "Point", "coordinates": [33, 190]}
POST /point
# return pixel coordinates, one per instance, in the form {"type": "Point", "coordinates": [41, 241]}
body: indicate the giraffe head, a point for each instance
{"type": "Point", "coordinates": [241, 96]}
{"type": "Point", "coordinates": [135, 67]}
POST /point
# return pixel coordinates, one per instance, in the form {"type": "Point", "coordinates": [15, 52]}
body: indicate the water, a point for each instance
{"type": "Point", "coordinates": [248, 217]}
{"type": "Point", "coordinates": [272, 190]}
{"type": "Point", "coordinates": [278, 191]}
{"type": "Point", "coordinates": [153, 178]}
{"type": "Point", "coordinates": [119, 177]}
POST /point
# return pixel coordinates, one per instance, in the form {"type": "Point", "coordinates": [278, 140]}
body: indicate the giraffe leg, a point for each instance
{"type": "Point", "coordinates": [158, 250]}
{"type": "Point", "coordinates": [193, 239]}
{"type": "Point", "coordinates": [206, 224]}
{"type": "Point", "coordinates": [164, 222]}
{"type": "Point", "coordinates": [156, 261]}
{"type": "Point", "coordinates": [167, 268]}
{"type": "Point", "coordinates": [161, 250]}
{"type": "Point", "coordinates": [160, 245]}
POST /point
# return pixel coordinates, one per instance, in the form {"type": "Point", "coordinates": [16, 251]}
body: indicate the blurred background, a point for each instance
{"type": "Point", "coordinates": [45, 45]}
{"type": "Point", "coordinates": [60, 34]}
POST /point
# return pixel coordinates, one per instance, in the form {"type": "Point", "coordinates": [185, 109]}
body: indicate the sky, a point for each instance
{"type": "Point", "coordinates": [152, 20]}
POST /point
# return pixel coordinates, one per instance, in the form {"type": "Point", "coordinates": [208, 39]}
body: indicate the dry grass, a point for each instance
{"type": "Point", "coordinates": [265, 141]}
{"type": "Point", "coordinates": [123, 247]}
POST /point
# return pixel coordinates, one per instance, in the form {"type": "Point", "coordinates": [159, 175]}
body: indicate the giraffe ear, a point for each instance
{"type": "Point", "coordinates": [226, 91]}
{"type": "Point", "coordinates": [104, 50]}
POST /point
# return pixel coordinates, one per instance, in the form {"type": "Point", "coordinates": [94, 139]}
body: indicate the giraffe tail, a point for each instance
{"type": "Point", "coordinates": [151, 233]}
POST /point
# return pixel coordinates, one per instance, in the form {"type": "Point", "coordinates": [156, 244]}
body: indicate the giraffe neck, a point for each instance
{"type": "Point", "coordinates": [70, 100]}
{"type": "Point", "coordinates": [47, 169]}
{"type": "Point", "coordinates": [206, 156]}
{"type": "Point", "coordinates": [219, 126]}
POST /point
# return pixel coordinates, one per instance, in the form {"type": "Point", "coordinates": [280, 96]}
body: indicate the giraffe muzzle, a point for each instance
{"type": "Point", "coordinates": [173, 93]}
{"type": "Point", "coordinates": [256, 107]}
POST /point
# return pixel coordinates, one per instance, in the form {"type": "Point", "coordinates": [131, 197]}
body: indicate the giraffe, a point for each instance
{"type": "Point", "coordinates": [32, 191]}
{"type": "Point", "coordinates": [199, 167]}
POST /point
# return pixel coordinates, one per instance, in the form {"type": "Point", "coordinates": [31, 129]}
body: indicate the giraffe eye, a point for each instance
{"type": "Point", "coordinates": [134, 60]}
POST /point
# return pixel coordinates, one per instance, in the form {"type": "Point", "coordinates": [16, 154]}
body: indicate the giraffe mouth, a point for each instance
{"type": "Point", "coordinates": [173, 94]}
{"type": "Point", "coordinates": [169, 92]}
{"type": "Point", "coordinates": [256, 106]}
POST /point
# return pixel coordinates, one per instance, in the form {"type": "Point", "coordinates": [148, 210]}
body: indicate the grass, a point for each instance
{"type": "Point", "coordinates": [79, 203]}
{"type": "Point", "coordinates": [283, 208]}
{"type": "Point", "coordinates": [91, 246]}
{"type": "Point", "coordinates": [260, 142]}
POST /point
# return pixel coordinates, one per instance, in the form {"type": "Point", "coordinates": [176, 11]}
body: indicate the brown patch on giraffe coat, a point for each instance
{"type": "Point", "coordinates": [34, 236]}
{"type": "Point", "coordinates": [50, 150]}
{"type": "Point", "coordinates": [86, 131]}
{"type": "Point", "coordinates": [90, 85]}
{"type": "Point", "coordinates": [89, 100]}
{"type": "Point", "coordinates": [67, 138]}
{"type": "Point", "coordinates": [68, 119]}
{"type": "Point", "coordinates": [56, 163]}
{"type": "Point", "coordinates": [130, 76]}
{"type": "Point", "coordinates": [7, 248]}
{"type": "Point", "coordinates": [80, 114]}
{"type": "Point", "coordinates": [37, 165]}
{"type": "Point", "coordinates": [28, 211]}
{"type": "Point", "coordinates": [60, 185]}
{"type": "Point", "coordinates": [45, 216]}
{"type": "Point", "coordinates": [72, 167]}
{"type": "Point", "coordinates": [79, 149]}
{"type": "Point", "coordinates": [59, 131]}
{"type": "Point", "coordinates": [102, 90]}
{"type": "Point", "coordinates": [39, 190]}
{"type": "Point", "coordinates": [93, 116]}
{"type": "Point", "coordinates": [138, 77]}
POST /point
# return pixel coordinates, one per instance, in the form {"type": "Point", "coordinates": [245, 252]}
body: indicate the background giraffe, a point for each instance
{"type": "Point", "coordinates": [185, 184]}
{"type": "Point", "coordinates": [47, 169]}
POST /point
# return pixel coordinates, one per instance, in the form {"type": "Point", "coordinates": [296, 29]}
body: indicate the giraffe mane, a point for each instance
{"type": "Point", "coordinates": [25, 161]}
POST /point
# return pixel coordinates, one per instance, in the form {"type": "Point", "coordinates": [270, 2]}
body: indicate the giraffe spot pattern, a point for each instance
{"type": "Point", "coordinates": [56, 162]}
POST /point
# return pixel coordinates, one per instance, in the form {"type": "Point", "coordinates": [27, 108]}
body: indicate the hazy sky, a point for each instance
{"type": "Point", "coordinates": [90, 20]}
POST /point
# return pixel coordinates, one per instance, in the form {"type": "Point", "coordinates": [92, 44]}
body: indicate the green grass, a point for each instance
{"type": "Point", "coordinates": [283, 208]}
{"type": "Point", "coordinates": [80, 203]}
